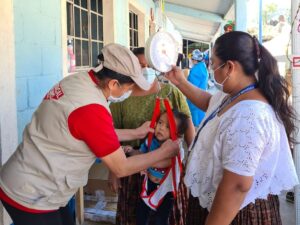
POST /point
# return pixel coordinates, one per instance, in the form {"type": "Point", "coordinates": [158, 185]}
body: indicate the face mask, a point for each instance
{"type": "Point", "coordinates": [119, 99]}
{"type": "Point", "coordinates": [219, 86]}
{"type": "Point", "coordinates": [149, 74]}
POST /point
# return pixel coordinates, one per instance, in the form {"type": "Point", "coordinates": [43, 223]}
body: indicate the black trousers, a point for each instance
{"type": "Point", "coordinates": [59, 217]}
{"type": "Point", "coordinates": [158, 217]}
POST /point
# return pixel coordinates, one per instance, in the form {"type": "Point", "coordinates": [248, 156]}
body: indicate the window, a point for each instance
{"type": "Point", "coordinates": [189, 46]}
{"type": "Point", "coordinates": [85, 29]}
{"type": "Point", "coordinates": [133, 30]}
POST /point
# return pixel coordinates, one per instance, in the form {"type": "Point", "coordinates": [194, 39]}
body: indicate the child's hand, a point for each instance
{"type": "Point", "coordinates": [143, 172]}
{"type": "Point", "coordinates": [128, 149]}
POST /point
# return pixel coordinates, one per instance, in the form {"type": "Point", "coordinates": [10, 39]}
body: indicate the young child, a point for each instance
{"type": "Point", "coordinates": [157, 173]}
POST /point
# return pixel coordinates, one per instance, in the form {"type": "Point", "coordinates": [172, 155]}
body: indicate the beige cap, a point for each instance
{"type": "Point", "coordinates": [121, 60]}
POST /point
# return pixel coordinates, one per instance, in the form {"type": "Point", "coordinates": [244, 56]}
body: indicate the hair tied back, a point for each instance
{"type": "Point", "coordinates": [257, 49]}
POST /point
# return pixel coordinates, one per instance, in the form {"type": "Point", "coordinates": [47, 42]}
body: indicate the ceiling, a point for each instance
{"type": "Point", "coordinates": [199, 20]}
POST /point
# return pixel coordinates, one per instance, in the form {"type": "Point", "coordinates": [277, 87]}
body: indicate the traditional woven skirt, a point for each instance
{"type": "Point", "coordinates": [262, 212]}
{"type": "Point", "coordinates": [129, 196]}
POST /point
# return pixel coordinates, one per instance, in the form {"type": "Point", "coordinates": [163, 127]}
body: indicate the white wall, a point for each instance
{"type": "Point", "coordinates": [8, 115]}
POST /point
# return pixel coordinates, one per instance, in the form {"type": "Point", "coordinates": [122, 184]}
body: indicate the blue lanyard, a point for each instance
{"type": "Point", "coordinates": [222, 106]}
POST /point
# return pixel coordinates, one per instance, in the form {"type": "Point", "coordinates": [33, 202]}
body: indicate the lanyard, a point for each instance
{"type": "Point", "coordinates": [222, 106]}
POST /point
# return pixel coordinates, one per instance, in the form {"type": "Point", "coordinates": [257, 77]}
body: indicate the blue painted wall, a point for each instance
{"type": "Point", "coordinates": [38, 47]}
{"type": "Point", "coordinates": [122, 22]}
{"type": "Point", "coordinates": [38, 51]}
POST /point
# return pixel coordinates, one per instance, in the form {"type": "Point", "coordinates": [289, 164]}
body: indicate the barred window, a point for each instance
{"type": "Point", "coordinates": [85, 29]}
{"type": "Point", "coordinates": [133, 30]}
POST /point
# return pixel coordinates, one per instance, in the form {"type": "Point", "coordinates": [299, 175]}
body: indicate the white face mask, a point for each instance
{"type": "Point", "coordinates": [219, 86]}
{"type": "Point", "coordinates": [119, 99]}
{"type": "Point", "coordinates": [149, 74]}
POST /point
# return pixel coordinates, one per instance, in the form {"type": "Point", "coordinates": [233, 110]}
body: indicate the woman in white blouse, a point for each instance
{"type": "Point", "coordinates": [240, 159]}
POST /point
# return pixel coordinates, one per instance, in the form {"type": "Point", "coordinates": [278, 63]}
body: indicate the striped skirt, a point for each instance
{"type": "Point", "coordinates": [262, 212]}
{"type": "Point", "coordinates": [129, 197]}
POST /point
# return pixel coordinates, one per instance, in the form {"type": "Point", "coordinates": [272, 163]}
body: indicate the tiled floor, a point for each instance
{"type": "Point", "coordinates": [287, 211]}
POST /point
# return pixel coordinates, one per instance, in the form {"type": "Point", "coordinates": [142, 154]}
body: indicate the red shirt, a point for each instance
{"type": "Point", "coordinates": [92, 124]}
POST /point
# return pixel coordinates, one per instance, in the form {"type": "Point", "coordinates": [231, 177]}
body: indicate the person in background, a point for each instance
{"type": "Point", "coordinates": [182, 63]}
{"type": "Point", "coordinates": [229, 26]}
{"type": "Point", "coordinates": [130, 114]}
{"type": "Point", "coordinates": [282, 27]}
{"type": "Point", "coordinates": [198, 77]}
{"type": "Point", "coordinates": [240, 159]}
{"type": "Point", "coordinates": [71, 128]}
{"type": "Point", "coordinates": [206, 58]}
{"type": "Point", "coordinates": [185, 62]}
{"type": "Point", "coordinates": [179, 59]}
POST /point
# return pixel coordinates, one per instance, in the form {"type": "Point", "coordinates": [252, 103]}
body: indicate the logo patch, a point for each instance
{"type": "Point", "coordinates": [55, 93]}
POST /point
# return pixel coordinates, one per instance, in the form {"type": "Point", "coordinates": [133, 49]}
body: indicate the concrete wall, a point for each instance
{"type": "Point", "coordinates": [108, 22]}
{"type": "Point", "coordinates": [241, 15]}
{"type": "Point", "coordinates": [8, 117]}
{"type": "Point", "coordinates": [39, 27]}
{"type": "Point", "coordinates": [121, 16]}
{"type": "Point", "coordinates": [38, 53]}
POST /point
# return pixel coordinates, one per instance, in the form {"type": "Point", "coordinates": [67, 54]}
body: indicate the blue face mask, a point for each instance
{"type": "Point", "coordinates": [149, 74]}
{"type": "Point", "coordinates": [219, 86]}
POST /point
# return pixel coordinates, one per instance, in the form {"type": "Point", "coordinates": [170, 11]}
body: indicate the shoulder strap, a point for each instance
{"type": "Point", "coordinates": [155, 116]}
{"type": "Point", "coordinates": [172, 124]}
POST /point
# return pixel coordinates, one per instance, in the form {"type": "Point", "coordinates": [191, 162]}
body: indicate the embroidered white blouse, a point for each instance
{"type": "Point", "coordinates": [248, 140]}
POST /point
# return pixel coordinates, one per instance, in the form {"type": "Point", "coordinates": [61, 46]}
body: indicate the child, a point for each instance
{"type": "Point", "coordinates": [157, 173]}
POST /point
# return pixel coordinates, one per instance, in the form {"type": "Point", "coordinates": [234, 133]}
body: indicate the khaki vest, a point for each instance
{"type": "Point", "coordinates": [50, 164]}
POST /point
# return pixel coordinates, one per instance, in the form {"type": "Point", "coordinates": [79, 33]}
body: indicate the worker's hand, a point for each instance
{"type": "Point", "coordinates": [176, 76]}
{"type": "Point", "coordinates": [113, 182]}
{"type": "Point", "coordinates": [170, 148]}
{"type": "Point", "coordinates": [143, 130]}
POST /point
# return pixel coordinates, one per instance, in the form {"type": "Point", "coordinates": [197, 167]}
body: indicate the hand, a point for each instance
{"type": "Point", "coordinates": [170, 148]}
{"type": "Point", "coordinates": [113, 182]}
{"type": "Point", "coordinates": [143, 172]}
{"type": "Point", "coordinates": [143, 130]}
{"type": "Point", "coordinates": [176, 76]}
{"type": "Point", "coordinates": [127, 149]}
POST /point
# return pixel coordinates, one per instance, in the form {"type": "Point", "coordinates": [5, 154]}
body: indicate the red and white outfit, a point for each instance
{"type": "Point", "coordinates": [71, 127]}
{"type": "Point", "coordinates": [169, 183]}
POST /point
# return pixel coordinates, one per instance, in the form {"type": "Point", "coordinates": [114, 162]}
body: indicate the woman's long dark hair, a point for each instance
{"type": "Point", "coordinates": [253, 57]}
